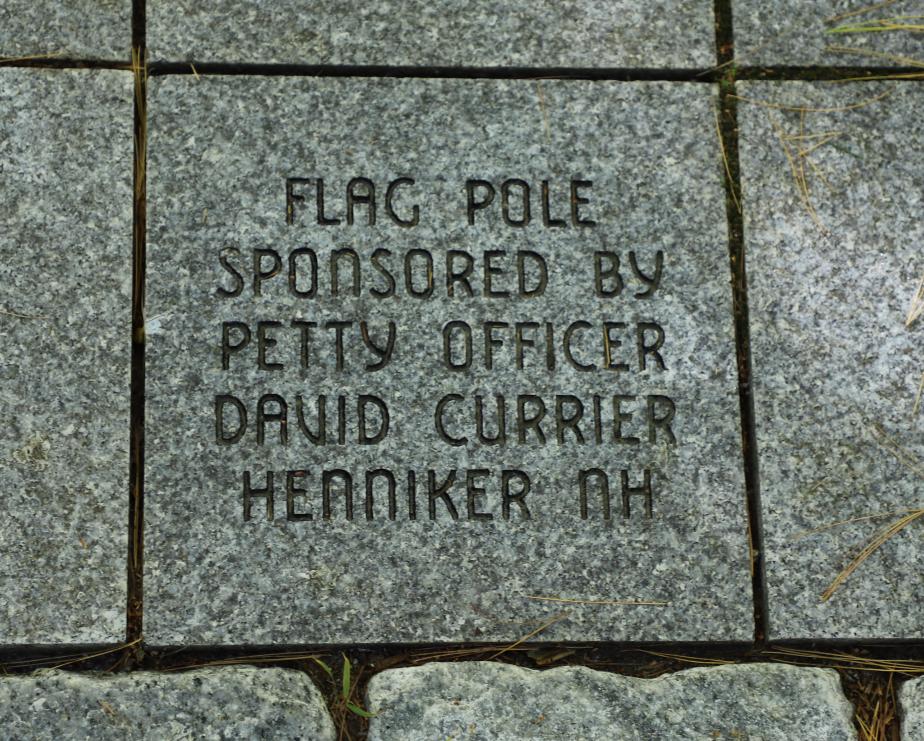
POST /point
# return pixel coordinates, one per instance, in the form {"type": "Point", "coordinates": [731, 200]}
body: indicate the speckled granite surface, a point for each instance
{"type": "Point", "coordinates": [94, 29]}
{"type": "Point", "coordinates": [65, 334]}
{"type": "Point", "coordinates": [536, 33]}
{"type": "Point", "coordinates": [827, 32]}
{"type": "Point", "coordinates": [220, 152]}
{"type": "Point", "coordinates": [836, 369]}
{"type": "Point", "coordinates": [238, 702]}
{"type": "Point", "coordinates": [485, 701]}
{"type": "Point", "coordinates": [912, 710]}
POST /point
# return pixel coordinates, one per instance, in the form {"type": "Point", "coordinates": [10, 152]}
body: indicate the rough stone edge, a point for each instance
{"type": "Point", "coordinates": [827, 678]}
{"type": "Point", "coordinates": [78, 681]}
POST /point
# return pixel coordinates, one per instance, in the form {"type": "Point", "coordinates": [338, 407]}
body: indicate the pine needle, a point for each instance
{"type": "Point", "coordinates": [868, 551]}
{"type": "Point", "coordinates": [656, 603]}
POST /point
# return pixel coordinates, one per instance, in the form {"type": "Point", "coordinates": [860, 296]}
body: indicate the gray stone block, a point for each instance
{"type": "Point", "coordinates": [837, 371]}
{"type": "Point", "coordinates": [912, 710]}
{"type": "Point", "coordinates": [65, 330]}
{"type": "Point", "coordinates": [240, 702]}
{"type": "Point", "coordinates": [827, 32]}
{"type": "Point", "coordinates": [530, 33]}
{"type": "Point", "coordinates": [221, 150]}
{"type": "Point", "coordinates": [94, 29]}
{"type": "Point", "coordinates": [485, 701]}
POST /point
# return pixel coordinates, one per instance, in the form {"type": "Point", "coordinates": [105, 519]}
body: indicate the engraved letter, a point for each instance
{"type": "Point", "coordinates": [390, 209]}
{"type": "Point", "coordinates": [652, 282]}
{"type": "Point", "coordinates": [383, 353]}
{"type": "Point", "coordinates": [222, 436]}
{"type": "Point", "coordinates": [238, 278]}
{"type": "Point", "coordinates": [227, 348]}
{"type": "Point", "coordinates": [474, 205]}
{"type": "Point", "coordinates": [364, 437]}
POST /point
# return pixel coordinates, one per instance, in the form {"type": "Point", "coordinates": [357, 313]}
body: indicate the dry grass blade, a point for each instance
{"type": "Point", "coordinates": [5, 312]}
{"type": "Point", "coordinates": [917, 305]}
{"type": "Point", "coordinates": [32, 58]}
{"type": "Point", "coordinates": [532, 634]}
{"type": "Point", "coordinates": [860, 11]}
{"type": "Point", "coordinates": [140, 71]}
{"type": "Point", "coordinates": [797, 168]}
{"type": "Point", "coordinates": [868, 551]}
{"type": "Point", "coordinates": [808, 109]}
{"type": "Point", "coordinates": [917, 399]}
{"type": "Point", "coordinates": [840, 523]}
{"type": "Point", "coordinates": [96, 655]}
{"type": "Point", "coordinates": [656, 603]}
{"type": "Point", "coordinates": [906, 459]}
{"type": "Point", "coordinates": [459, 653]}
{"type": "Point", "coordinates": [463, 653]}
{"type": "Point", "coordinates": [698, 660]}
{"type": "Point", "coordinates": [69, 658]}
{"type": "Point", "coordinates": [822, 140]}
{"type": "Point", "coordinates": [898, 59]}
{"type": "Point", "coordinates": [876, 708]}
{"type": "Point", "coordinates": [879, 25]}
{"type": "Point", "coordinates": [846, 661]}
{"type": "Point", "coordinates": [252, 659]}
{"type": "Point", "coordinates": [904, 456]}
{"type": "Point", "coordinates": [728, 173]}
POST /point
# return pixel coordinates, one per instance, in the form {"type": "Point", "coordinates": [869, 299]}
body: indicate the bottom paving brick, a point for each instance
{"type": "Point", "coordinates": [912, 702]}
{"type": "Point", "coordinates": [227, 703]}
{"type": "Point", "coordinates": [484, 701]}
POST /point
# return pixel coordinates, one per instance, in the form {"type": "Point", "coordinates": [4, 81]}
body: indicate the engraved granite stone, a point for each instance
{"type": "Point", "coordinates": [833, 232]}
{"type": "Point", "coordinates": [912, 706]}
{"type": "Point", "coordinates": [526, 33]}
{"type": "Point", "coordinates": [238, 702]}
{"type": "Point", "coordinates": [486, 701]}
{"type": "Point", "coordinates": [65, 333]}
{"type": "Point", "coordinates": [827, 32]}
{"type": "Point", "coordinates": [542, 300]}
{"type": "Point", "coordinates": [95, 29]}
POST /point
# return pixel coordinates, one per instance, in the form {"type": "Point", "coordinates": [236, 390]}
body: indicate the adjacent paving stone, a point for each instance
{"type": "Point", "coordinates": [485, 701]}
{"type": "Point", "coordinates": [95, 29]}
{"type": "Point", "coordinates": [827, 32]}
{"type": "Point", "coordinates": [239, 702]}
{"type": "Point", "coordinates": [912, 703]}
{"type": "Point", "coordinates": [837, 370]}
{"type": "Point", "coordinates": [531, 33]}
{"type": "Point", "coordinates": [65, 334]}
{"type": "Point", "coordinates": [462, 565]}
